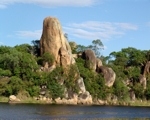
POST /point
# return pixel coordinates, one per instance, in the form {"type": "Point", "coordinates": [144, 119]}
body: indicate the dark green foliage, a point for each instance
{"type": "Point", "coordinates": [94, 83]}
{"type": "Point", "coordinates": [5, 72]}
{"type": "Point", "coordinates": [128, 64]}
{"type": "Point", "coordinates": [36, 47]}
{"type": "Point", "coordinates": [147, 92]}
{"type": "Point", "coordinates": [55, 89]}
{"type": "Point", "coordinates": [47, 57]}
{"type": "Point", "coordinates": [71, 77]}
{"type": "Point", "coordinates": [19, 71]}
{"type": "Point", "coordinates": [33, 90]}
{"type": "Point", "coordinates": [120, 90]}
{"type": "Point", "coordinates": [20, 64]}
{"type": "Point", "coordinates": [139, 90]}
{"type": "Point", "coordinates": [24, 48]}
{"type": "Point", "coordinates": [53, 82]}
{"type": "Point", "coordinates": [14, 86]}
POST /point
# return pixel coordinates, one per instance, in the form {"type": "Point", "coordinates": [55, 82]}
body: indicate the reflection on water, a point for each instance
{"type": "Point", "coordinates": [68, 112]}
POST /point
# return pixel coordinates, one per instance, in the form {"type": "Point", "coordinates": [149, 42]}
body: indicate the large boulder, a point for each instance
{"type": "Point", "coordinates": [109, 75]}
{"type": "Point", "coordinates": [54, 42]}
{"type": "Point", "coordinates": [13, 99]}
{"type": "Point", "coordinates": [90, 59]}
{"type": "Point", "coordinates": [85, 98]}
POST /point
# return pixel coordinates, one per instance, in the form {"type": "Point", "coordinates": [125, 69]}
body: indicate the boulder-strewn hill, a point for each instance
{"type": "Point", "coordinates": [57, 71]}
{"type": "Point", "coordinates": [54, 42]}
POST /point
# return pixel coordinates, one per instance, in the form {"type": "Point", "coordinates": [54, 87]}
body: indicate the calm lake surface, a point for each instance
{"type": "Point", "coordinates": [69, 112]}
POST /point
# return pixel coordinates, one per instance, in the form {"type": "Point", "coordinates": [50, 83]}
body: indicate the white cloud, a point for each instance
{"type": "Point", "coordinates": [89, 30]}
{"type": "Point", "coordinates": [50, 3]}
{"type": "Point", "coordinates": [98, 30]}
{"type": "Point", "coordinates": [126, 26]}
{"type": "Point", "coordinates": [29, 34]}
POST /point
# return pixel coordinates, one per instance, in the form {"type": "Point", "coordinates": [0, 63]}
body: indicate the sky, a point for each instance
{"type": "Point", "coordinates": [117, 23]}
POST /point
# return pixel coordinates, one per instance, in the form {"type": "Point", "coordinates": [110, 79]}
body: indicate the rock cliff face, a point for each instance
{"type": "Point", "coordinates": [54, 42]}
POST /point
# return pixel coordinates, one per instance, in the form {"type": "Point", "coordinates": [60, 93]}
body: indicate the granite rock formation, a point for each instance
{"type": "Point", "coordinates": [54, 42]}
{"type": "Point", "coordinates": [90, 59]}
{"type": "Point", "coordinates": [108, 74]}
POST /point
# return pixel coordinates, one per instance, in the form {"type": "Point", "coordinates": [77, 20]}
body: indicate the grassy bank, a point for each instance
{"type": "Point", "coordinates": [139, 103]}
{"type": "Point", "coordinates": [3, 99]}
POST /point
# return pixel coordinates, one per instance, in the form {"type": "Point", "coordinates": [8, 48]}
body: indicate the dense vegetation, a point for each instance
{"type": "Point", "coordinates": [20, 71]}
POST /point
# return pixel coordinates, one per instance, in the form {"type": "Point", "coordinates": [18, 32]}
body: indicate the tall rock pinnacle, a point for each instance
{"type": "Point", "coordinates": [54, 42]}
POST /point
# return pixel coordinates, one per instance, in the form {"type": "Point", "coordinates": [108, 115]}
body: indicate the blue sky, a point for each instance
{"type": "Point", "coordinates": [117, 23]}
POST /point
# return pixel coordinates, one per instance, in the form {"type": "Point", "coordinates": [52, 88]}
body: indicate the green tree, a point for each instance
{"type": "Point", "coordinates": [96, 46]}
{"type": "Point", "coordinates": [120, 90]}
{"type": "Point", "coordinates": [36, 47]}
{"type": "Point", "coordinates": [24, 48]}
{"type": "Point", "coordinates": [14, 86]}
{"type": "Point", "coordinates": [47, 57]}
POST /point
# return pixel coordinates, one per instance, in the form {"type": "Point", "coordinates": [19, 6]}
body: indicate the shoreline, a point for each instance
{"type": "Point", "coordinates": [135, 103]}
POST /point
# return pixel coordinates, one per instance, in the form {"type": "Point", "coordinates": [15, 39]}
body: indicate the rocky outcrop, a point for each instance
{"type": "Point", "coordinates": [109, 75]}
{"type": "Point", "coordinates": [143, 81]}
{"type": "Point", "coordinates": [132, 95]}
{"type": "Point", "coordinates": [13, 99]}
{"type": "Point", "coordinates": [80, 84]}
{"type": "Point", "coordinates": [147, 68]}
{"type": "Point", "coordinates": [84, 98]}
{"type": "Point", "coordinates": [90, 59]}
{"type": "Point", "coordinates": [54, 42]}
{"type": "Point", "coordinates": [98, 63]}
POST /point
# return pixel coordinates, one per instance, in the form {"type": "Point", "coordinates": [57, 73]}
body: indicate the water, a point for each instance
{"type": "Point", "coordinates": [69, 112]}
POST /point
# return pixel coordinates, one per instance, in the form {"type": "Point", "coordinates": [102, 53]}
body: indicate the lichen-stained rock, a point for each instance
{"type": "Point", "coordinates": [54, 42]}
{"type": "Point", "coordinates": [90, 58]}
{"type": "Point", "coordinates": [109, 75]}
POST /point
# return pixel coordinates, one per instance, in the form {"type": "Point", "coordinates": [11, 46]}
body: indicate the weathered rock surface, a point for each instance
{"type": "Point", "coordinates": [98, 63]}
{"type": "Point", "coordinates": [147, 68]}
{"type": "Point", "coordinates": [80, 84]}
{"type": "Point", "coordinates": [84, 98]}
{"type": "Point", "coordinates": [54, 42]}
{"type": "Point", "coordinates": [13, 99]}
{"type": "Point", "coordinates": [132, 95]}
{"type": "Point", "coordinates": [101, 102]}
{"type": "Point", "coordinates": [109, 75]}
{"type": "Point", "coordinates": [90, 58]}
{"type": "Point", "coordinates": [143, 81]}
